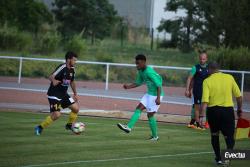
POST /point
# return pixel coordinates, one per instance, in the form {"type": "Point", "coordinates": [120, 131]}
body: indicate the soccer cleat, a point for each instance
{"type": "Point", "coordinates": [219, 163]}
{"type": "Point", "coordinates": [199, 128]}
{"type": "Point", "coordinates": [191, 126]}
{"type": "Point", "coordinates": [154, 138]}
{"type": "Point", "coordinates": [38, 130]}
{"type": "Point", "coordinates": [206, 125]}
{"type": "Point", "coordinates": [125, 128]}
{"type": "Point", "coordinates": [68, 126]}
{"type": "Point", "coordinates": [226, 163]}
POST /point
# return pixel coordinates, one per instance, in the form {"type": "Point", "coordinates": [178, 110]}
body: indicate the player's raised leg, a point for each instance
{"type": "Point", "coordinates": [54, 115]}
{"type": "Point", "coordinates": [151, 99]}
{"type": "Point", "coordinates": [134, 118]}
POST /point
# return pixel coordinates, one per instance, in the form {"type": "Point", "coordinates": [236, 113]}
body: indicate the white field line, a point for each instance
{"type": "Point", "coordinates": [93, 95]}
{"type": "Point", "coordinates": [118, 159]}
{"type": "Point", "coordinates": [96, 95]}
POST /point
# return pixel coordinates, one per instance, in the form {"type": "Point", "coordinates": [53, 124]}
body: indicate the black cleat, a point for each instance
{"type": "Point", "coordinates": [68, 126]}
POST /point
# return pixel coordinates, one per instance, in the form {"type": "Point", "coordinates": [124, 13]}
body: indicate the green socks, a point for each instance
{"type": "Point", "coordinates": [134, 118]}
{"type": "Point", "coordinates": [151, 120]}
{"type": "Point", "coordinates": [153, 126]}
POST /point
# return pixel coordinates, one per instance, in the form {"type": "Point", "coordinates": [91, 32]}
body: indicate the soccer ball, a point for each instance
{"type": "Point", "coordinates": [78, 127]}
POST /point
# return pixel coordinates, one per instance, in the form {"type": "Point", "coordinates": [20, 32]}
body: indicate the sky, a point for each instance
{"type": "Point", "coordinates": [160, 14]}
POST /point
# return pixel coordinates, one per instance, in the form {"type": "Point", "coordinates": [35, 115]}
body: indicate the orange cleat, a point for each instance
{"type": "Point", "coordinates": [191, 126]}
{"type": "Point", "coordinates": [206, 125]}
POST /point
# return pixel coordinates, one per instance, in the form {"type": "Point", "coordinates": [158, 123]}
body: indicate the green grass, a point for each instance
{"type": "Point", "coordinates": [102, 140]}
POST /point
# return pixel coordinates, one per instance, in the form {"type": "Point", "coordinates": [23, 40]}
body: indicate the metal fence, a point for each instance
{"type": "Point", "coordinates": [109, 66]}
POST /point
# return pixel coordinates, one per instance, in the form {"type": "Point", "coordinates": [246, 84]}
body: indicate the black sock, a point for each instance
{"type": "Point", "coordinates": [216, 146]}
{"type": "Point", "coordinates": [230, 142]}
{"type": "Point", "coordinates": [197, 124]}
{"type": "Point", "coordinates": [192, 121]}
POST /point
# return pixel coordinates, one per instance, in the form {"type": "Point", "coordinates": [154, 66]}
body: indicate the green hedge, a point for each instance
{"type": "Point", "coordinates": [46, 43]}
{"type": "Point", "coordinates": [12, 39]}
{"type": "Point", "coordinates": [76, 44]}
{"type": "Point", "coordinates": [231, 59]}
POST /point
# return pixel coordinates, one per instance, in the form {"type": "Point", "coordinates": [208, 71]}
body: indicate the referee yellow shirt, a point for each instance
{"type": "Point", "coordinates": [219, 89]}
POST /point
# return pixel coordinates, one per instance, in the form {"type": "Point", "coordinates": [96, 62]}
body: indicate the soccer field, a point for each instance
{"type": "Point", "coordinates": [102, 144]}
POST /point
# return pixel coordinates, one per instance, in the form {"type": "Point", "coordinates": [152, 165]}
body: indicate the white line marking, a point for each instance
{"type": "Point", "coordinates": [104, 96]}
{"type": "Point", "coordinates": [118, 159]}
{"type": "Point", "coordinates": [96, 95]}
{"type": "Point", "coordinates": [24, 89]}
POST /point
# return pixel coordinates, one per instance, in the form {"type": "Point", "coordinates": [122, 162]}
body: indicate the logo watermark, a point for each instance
{"type": "Point", "coordinates": [235, 154]}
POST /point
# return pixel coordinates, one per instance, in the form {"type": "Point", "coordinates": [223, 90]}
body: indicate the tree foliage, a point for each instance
{"type": "Point", "coordinates": [95, 17]}
{"type": "Point", "coordinates": [218, 23]}
{"type": "Point", "coordinates": [26, 15]}
{"type": "Point", "coordinates": [183, 28]}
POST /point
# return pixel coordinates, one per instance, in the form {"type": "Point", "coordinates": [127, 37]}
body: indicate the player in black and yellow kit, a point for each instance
{"type": "Point", "coordinates": [61, 79]}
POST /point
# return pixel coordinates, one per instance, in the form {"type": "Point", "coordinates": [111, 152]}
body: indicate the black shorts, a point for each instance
{"type": "Point", "coordinates": [197, 99]}
{"type": "Point", "coordinates": [197, 96]}
{"type": "Point", "coordinates": [56, 104]}
{"type": "Point", "coordinates": [221, 119]}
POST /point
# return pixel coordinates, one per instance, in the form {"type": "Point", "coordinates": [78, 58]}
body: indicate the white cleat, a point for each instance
{"type": "Point", "coordinates": [125, 128]}
{"type": "Point", "coordinates": [154, 138]}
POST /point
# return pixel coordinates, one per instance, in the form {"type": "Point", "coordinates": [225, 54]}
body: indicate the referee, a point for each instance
{"type": "Point", "coordinates": [218, 92]}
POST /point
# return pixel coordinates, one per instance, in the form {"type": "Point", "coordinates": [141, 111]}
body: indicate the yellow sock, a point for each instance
{"type": "Point", "coordinates": [46, 122]}
{"type": "Point", "coordinates": [72, 117]}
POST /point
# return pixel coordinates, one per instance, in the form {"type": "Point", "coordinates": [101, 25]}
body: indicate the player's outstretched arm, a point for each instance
{"type": "Point", "coordinates": [130, 86]}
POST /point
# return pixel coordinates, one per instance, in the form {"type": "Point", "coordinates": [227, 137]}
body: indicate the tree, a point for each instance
{"type": "Point", "coordinates": [217, 23]}
{"type": "Point", "coordinates": [233, 20]}
{"type": "Point", "coordinates": [26, 15]}
{"type": "Point", "coordinates": [182, 29]}
{"type": "Point", "coordinates": [95, 17]}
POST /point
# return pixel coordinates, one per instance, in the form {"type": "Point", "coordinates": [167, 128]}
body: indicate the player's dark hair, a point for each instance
{"type": "Point", "coordinates": [202, 52]}
{"type": "Point", "coordinates": [213, 66]}
{"type": "Point", "coordinates": [70, 55]}
{"type": "Point", "coordinates": [140, 57]}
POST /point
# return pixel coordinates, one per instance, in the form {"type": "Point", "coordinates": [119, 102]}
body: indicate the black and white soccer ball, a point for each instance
{"type": "Point", "coordinates": [78, 127]}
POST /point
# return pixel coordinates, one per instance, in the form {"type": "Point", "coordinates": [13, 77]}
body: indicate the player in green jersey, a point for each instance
{"type": "Point", "coordinates": [150, 101]}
